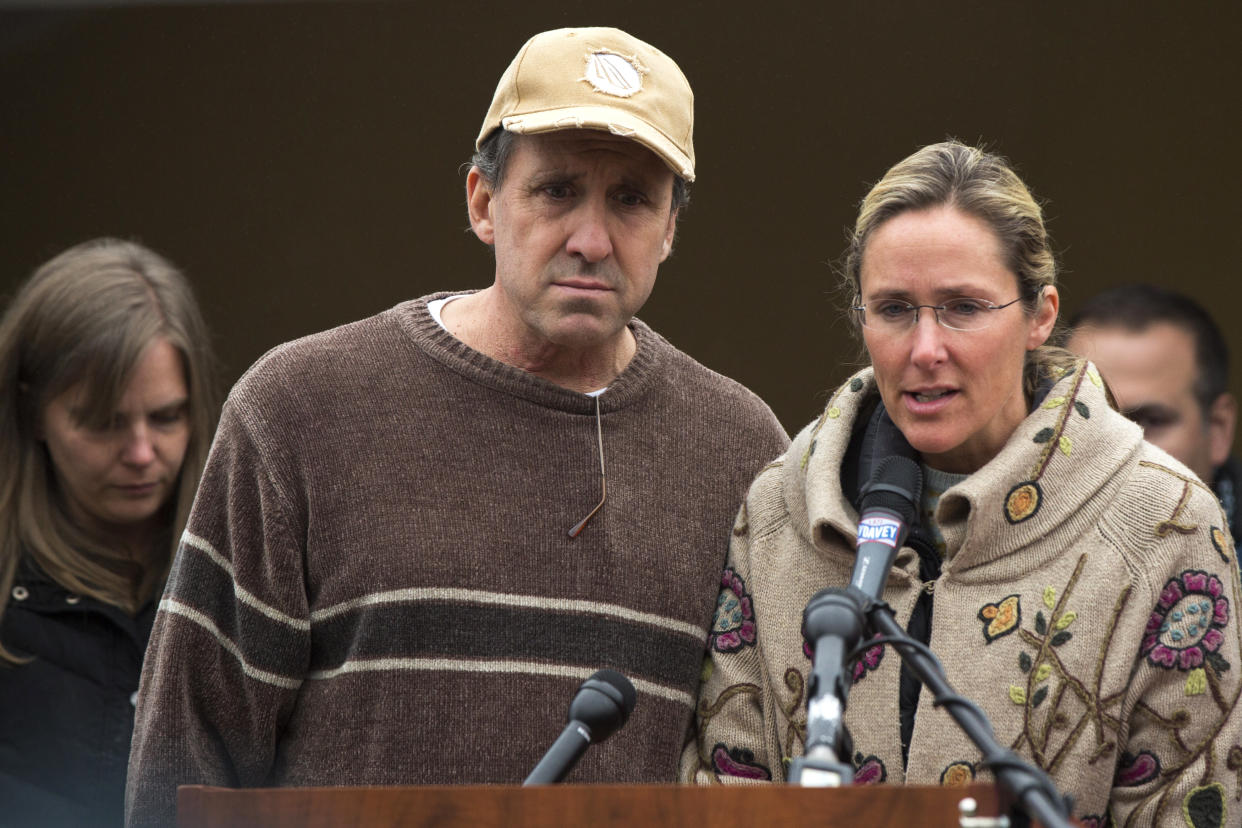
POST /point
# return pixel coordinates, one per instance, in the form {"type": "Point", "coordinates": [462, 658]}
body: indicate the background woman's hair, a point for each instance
{"type": "Point", "coordinates": [86, 317]}
{"type": "Point", "coordinates": [983, 185]}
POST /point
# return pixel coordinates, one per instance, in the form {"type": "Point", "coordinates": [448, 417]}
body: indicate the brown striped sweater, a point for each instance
{"type": "Point", "coordinates": [377, 587]}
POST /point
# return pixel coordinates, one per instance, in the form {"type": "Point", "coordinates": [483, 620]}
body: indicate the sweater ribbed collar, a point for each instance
{"type": "Point", "coordinates": [1049, 484]}
{"type": "Point", "coordinates": [650, 354]}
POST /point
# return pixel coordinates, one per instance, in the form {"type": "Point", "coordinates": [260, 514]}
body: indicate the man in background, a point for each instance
{"type": "Point", "coordinates": [1168, 367]}
{"type": "Point", "coordinates": [405, 556]}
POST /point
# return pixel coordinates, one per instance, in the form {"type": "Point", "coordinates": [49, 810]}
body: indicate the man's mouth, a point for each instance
{"type": "Point", "coordinates": [583, 284]}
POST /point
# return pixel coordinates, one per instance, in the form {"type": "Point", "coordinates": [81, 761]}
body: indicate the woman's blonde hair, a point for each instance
{"type": "Point", "coordinates": [983, 185]}
{"type": "Point", "coordinates": [86, 317]}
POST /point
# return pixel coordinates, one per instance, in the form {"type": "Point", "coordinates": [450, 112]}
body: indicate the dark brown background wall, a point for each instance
{"type": "Point", "coordinates": [301, 160]}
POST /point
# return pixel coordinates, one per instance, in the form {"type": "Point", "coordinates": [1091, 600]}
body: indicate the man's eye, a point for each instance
{"type": "Point", "coordinates": [1151, 422]}
{"type": "Point", "coordinates": [557, 191]}
{"type": "Point", "coordinates": [631, 199]}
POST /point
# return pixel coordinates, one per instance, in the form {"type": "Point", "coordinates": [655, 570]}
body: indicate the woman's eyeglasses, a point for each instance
{"type": "Point", "coordinates": [894, 316]}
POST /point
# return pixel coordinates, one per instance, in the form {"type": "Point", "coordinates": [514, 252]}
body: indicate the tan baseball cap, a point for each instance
{"type": "Point", "coordinates": [598, 78]}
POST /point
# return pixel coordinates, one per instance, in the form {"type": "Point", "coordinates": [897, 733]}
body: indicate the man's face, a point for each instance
{"type": "Point", "coordinates": [1152, 374]}
{"type": "Point", "coordinates": [579, 225]}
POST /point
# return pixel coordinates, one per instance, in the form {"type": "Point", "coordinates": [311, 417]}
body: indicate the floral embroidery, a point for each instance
{"type": "Point", "coordinates": [831, 412]}
{"type": "Point", "coordinates": [1050, 597]}
{"type": "Point", "coordinates": [734, 627]}
{"type": "Point", "coordinates": [1184, 630]}
{"type": "Point", "coordinates": [1221, 543]}
{"type": "Point", "coordinates": [1204, 807]}
{"type": "Point", "coordinates": [1172, 524]}
{"type": "Point", "coordinates": [867, 662]}
{"type": "Point", "coordinates": [958, 774]}
{"type": "Point", "coordinates": [869, 770]}
{"type": "Point", "coordinates": [1196, 682]}
{"type": "Point", "coordinates": [1137, 769]}
{"type": "Point", "coordinates": [1023, 501]}
{"type": "Point", "coordinates": [795, 713]}
{"type": "Point", "coordinates": [1052, 725]}
{"type": "Point", "coordinates": [1042, 672]}
{"type": "Point", "coordinates": [1234, 762]}
{"type": "Point", "coordinates": [1001, 618]}
{"type": "Point", "coordinates": [737, 762]}
{"type": "Point", "coordinates": [1096, 821]}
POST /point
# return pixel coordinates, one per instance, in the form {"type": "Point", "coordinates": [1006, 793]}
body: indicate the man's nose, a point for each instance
{"type": "Point", "coordinates": [589, 236]}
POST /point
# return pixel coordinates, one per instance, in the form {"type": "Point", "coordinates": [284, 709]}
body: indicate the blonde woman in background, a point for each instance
{"type": "Point", "coordinates": [107, 407]}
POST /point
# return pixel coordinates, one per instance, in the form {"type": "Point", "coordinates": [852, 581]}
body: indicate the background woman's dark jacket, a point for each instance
{"type": "Point", "coordinates": [66, 717]}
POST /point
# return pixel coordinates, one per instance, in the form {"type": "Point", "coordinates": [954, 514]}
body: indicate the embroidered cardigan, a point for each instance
{"type": "Point", "coordinates": [1088, 603]}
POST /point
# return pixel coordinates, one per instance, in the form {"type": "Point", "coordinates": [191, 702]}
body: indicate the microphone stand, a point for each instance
{"type": "Point", "coordinates": [1029, 785]}
{"type": "Point", "coordinates": [834, 621]}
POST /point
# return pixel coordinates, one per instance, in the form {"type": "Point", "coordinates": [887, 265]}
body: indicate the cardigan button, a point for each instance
{"type": "Point", "coordinates": [72, 599]}
{"type": "Point", "coordinates": [20, 593]}
{"type": "Point", "coordinates": [133, 699]}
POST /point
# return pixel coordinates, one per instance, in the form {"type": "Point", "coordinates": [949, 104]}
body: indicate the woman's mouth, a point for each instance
{"type": "Point", "coordinates": [931, 401]}
{"type": "Point", "coordinates": [139, 489]}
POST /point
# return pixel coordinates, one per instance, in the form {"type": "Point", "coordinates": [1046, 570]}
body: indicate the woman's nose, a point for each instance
{"type": "Point", "coordinates": [927, 346]}
{"type": "Point", "coordinates": [139, 450]}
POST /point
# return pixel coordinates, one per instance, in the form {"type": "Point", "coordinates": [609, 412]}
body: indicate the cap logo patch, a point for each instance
{"type": "Point", "coordinates": [614, 74]}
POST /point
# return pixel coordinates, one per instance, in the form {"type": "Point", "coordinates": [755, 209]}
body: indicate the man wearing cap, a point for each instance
{"type": "Point", "coordinates": [403, 559]}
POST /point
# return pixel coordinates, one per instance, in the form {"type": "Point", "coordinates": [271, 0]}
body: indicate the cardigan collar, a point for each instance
{"type": "Point", "coordinates": [1051, 481]}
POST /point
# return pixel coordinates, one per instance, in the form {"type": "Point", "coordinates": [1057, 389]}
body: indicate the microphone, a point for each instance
{"type": "Point", "coordinates": [600, 707]}
{"type": "Point", "coordinates": [888, 507]}
{"type": "Point", "coordinates": [834, 619]}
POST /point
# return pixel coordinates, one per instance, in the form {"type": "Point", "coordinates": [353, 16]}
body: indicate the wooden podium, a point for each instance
{"type": "Point", "coordinates": [580, 805]}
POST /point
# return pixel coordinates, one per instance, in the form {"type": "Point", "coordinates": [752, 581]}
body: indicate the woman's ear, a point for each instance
{"type": "Point", "coordinates": [1045, 317]}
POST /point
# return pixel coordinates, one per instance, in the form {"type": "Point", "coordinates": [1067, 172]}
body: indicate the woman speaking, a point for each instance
{"type": "Point", "coordinates": [1077, 583]}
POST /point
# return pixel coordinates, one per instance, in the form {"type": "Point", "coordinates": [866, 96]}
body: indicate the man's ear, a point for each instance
{"type": "Point", "coordinates": [479, 205]}
{"type": "Point", "coordinates": [669, 232]}
{"type": "Point", "coordinates": [1222, 418]}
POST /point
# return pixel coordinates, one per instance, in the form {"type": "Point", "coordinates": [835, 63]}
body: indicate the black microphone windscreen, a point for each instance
{"type": "Point", "coordinates": [897, 484]}
{"type": "Point", "coordinates": [622, 685]}
{"type": "Point", "coordinates": [603, 703]}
